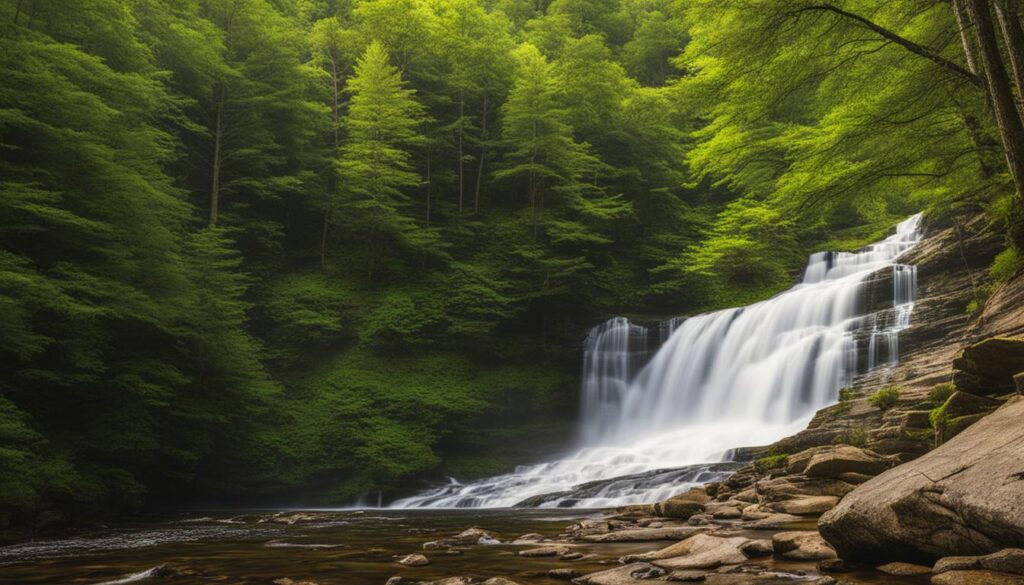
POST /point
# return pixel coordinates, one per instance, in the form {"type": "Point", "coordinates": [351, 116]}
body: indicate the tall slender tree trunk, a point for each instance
{"type": "Point", "coordinates": [462, 110]}
{"type": "Point", "coordinates": [1011, 130]}
{"type": "Point", "coordinates": [1013, 38]}
{"type": "Point", "coordinates": [483, 153]}
{"type": "Point", "coordinates": [218, 136]}
{"type": "Point", "coordinates": [964, 24]}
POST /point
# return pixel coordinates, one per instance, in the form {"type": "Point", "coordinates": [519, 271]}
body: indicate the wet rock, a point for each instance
{"type": "Point", "coordinates": [647, 534]}
{"type": "Point", "coordinates": [833, 566]}
{"type": "Point", "coordinates": [546, 551]}
{"type": "Point", "coordinates": [687, 576]}
{"type": "Point", "coordinates": [724, 510]}
{"type": "Point", "coordinates": [702, 551]}
{"type": "Point", "coordinates": [635, 511]}
{"type": "Point", "coordinates": [683, 505]}
{"type": "Point", "coordinates": [956, 564]}
{"type": "Point", "coordinates": [965, 497]}
{"type": "Point", "coordinates": [977, 578]}
{"type": "Point", "coordinates": [854, 478]}
{"type": "Point", "coordinates": [806, 505]}
{"type": "Point", "coordinates": [1010, 560]}
{"type": "Point", "coordinates": [290, 518]}
{"type": "Point", "coordinates": [287, 581]}
{"type": "Point", "coordinates": [772, 522]}
{"type": "Point", "coordinates": [499, 581]}
{"type": "Point", "coordinates": [413, 560]}
{"type": "Point", "coordinates": [797, 462]}
{"type": "Point", "coordinates": [988, 366]}
{"type": "Point", "coordinates": [396, 580]}
{"type": "Point", "coordinates": [566, 574]}
{"type": "Point", "coordinates": [530, 538]}
{"type": "Point", "coordinates": [700, 519]}
{"type": "Point", "coordinates": [904, 569]}
{"type": "Point", "coordinates": [964, 404]}
{"type": "Point", "coordinates": [757, 548]}
{"type": "Point", "coordinates": [754, 512]}
{"type": "Point", "coordinates": [802, 546]}
{"type": "Point", "coordinates": [845, 459]}
{"type": "Point", "coordinates": [588, 528]}
{"type": "Point", "coordinates": [573, 556]}
{"type": "Point", "coordinates": [633, 574]}
{"type": "Point", "coordinates": [467, 537]}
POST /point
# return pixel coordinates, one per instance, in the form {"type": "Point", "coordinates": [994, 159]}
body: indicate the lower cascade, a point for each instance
{"type": "Point", "coordinates": [663, 408]}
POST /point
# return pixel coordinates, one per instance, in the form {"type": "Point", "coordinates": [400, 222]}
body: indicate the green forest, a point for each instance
{"type": "Point", "coordinates": [324, 251]}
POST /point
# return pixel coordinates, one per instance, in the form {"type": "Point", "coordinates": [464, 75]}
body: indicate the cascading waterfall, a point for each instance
{"type": "Point", "coordinates": [721, 380]}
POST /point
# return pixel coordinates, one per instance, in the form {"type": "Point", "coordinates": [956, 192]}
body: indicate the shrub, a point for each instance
{"type": "Point", "coordinates": [1005, 266]}
{"type": "Point", "coordinates": [885, 398]}
{"type": "Point", "coordinates": [941, 392]}
{"type": "Point", "coordinates": [846, 395]}
{"type": "Point", "coordinates": [855, 437]}
{"type": "Point", "coordinates": [765, 464]}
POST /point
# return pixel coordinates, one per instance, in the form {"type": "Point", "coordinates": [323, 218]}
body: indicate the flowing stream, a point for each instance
{"type": "Point", "coordinates": [662, 408]}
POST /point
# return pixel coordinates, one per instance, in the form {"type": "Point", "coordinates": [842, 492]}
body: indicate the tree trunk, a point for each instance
{"type": "Point", "coordinates": [964, 25]}
{"type": "Point", "coordinates": [462, 109]}
{"type": "Point", "coordinates": [218, 134]}
{"type": "Point", "coordinates": [1011, 131]}
{"type": "Point", "coordinates": [1013, 37]}
{"type": "Point", "coordinates": [483, 152]}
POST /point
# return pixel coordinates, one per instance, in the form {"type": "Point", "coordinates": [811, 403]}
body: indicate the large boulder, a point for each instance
{"type": "Point", "coordinates": [683, 505]}
{"type": "Point", "coordinates": [700, 552]}
{"type": "Point", "coordinates": [802, 545]}
{"type": "Point", "coordinates": [964, 498]}
{"type": "Point", "coordinates": [845, 459]}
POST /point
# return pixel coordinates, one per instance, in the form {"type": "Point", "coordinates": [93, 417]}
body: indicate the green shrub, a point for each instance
{"type": "Point", "coordinates": [846, 395]}
{"type": "Point", "coordinates": [885, 398]}
{"type": "Point", "coordinates": [941, 392]}
{"type": "Point", "coordinates": [855, 437]}
{"type": "Point", "coordinates": [766, 464]}
{"type": "Point", "coordinates": [938, 416]}
{"type": "Point", "coordinates": [1006, 265]}
{"type": "Point", "coordinates": [972, 307]}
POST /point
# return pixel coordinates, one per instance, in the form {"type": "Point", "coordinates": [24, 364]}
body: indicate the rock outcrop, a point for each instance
{"type": "Point", "coordinates": [964, 498]}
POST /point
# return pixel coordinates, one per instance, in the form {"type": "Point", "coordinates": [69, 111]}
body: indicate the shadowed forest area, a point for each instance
{"type": "Point", "coordinates": [324, 251]}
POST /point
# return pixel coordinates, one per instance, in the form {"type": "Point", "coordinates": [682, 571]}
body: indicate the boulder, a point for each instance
{"type": "Point", "coordinates": [724, 510]}
{"type": "Point", "coordinates": [467, 537]}
{"type": "Point", "coordinates": [633, 574]}
{"type": "Point", "coordinates": [966, 497]}
{"type": "Point", "coordinates": [854, 478]}
{"type": "Point", "coordinates": [545, 551]}
{"type": "Point", "coordinates": [797, 462]}
{"type": "Point", "coordinates": [976, 578]}
{"type": "Point", "coordinates": [414, 560]}
{"type": "Point", "coordinates": [1010, 560]}
{"type": "Point", "coordinates": [499, 581]}
{"type": "Point", "coordinates": [772, 522]}
{"type": "Point", "coordinates": [802, 545]}
{"type": "Point", "coordinates": [964, 403]}
{"type": "Point", "coordinates": [904, 569]}
{"type": "Point", "coordinates": [806, 505]}
{"type": "Point", "coordinates": [757, 548]}
{"type": "Point", "coordinates": [702, 551]}
{"type": "Point", "coordinates": [563, 574]}
{"type": "Point", "coordinates": [683, 505]}
{"type": "Point", "coordinates": [845, 459]}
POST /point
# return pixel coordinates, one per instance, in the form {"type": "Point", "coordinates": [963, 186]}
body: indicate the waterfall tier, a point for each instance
{"type": "Point", "coordinates": [721, 380]}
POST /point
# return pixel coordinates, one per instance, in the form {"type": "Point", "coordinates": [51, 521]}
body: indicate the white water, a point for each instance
{"type": "Point", "coordinates": [732, 378]}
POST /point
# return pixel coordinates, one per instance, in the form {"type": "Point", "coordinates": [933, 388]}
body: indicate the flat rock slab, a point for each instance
{"type": "Point", "coordinates": [845, 459]}
{"type": "Point", "coordinates": [702, 552]}
{"type": "Point", "coordinates": [1010, 560]}
{"type": "Point", "coordinates": [977, 578]}
{"type": "Point", "coordinates": [546, 551]}
{"type": "Point", "coordinates": [964, 498]}
{"type": "Point", "coordinates": [633, 574]}
{"type": "Point", "coordinates": [806, 506]}
{"type": "Point", "coordinates": [647, 534]}
{"type": "Point", "coordinates": [904, 569]}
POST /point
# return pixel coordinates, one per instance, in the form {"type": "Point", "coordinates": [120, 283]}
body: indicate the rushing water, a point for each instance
{"type": "Point", "coordinates": [731, 378]}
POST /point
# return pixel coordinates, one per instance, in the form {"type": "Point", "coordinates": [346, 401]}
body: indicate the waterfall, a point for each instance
{"type": "Point", "coordinates": [737, 377]}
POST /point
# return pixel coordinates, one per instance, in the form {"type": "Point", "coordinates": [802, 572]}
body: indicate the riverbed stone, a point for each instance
{"type": "Point", "coordinates": [414, 560]}
{"type": "Point", "coordinates": [761, 547]}
{"type": "Point", "coordinates": [683, 505]}
{"type": "Point", "coordinates": [802, 545]}
{"type": "Point", "coordinates": [546, 551]}
{"type": "Point", "coordinates": [976, 578]}
{"type": "Point", "coordinates": [702, 551]}
{"type": "Point", "coordinates": [966, 497]}
{"type": "Point", "coordinates": [467, 537]}
{"type": "Point", "coordinates": [648, 534]}
{"type": "Point", "coordinates": [1010, 560]}
{"type": "Point", "coordinates": [632, 574]}
{"type": "Point", "coordinates": [904, 569]}
{"type": "Point", "coordinates": [566, 574]}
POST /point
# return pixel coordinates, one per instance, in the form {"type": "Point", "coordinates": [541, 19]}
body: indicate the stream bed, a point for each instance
{"type": "Point", "coordinates": [355, 547]}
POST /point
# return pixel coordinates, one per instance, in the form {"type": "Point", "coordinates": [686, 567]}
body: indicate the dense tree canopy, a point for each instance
{"type": "Point", "coordinates": [249, 246]}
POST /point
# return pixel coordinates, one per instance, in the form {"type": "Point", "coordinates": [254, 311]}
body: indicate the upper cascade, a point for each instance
{"type": "Point", "coordinates": [720, 380]}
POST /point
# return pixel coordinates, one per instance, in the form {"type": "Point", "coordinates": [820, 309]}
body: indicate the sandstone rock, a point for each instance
{"type": "Point", "coordinates": [806, 505]}
{"type": "Point", "coordinates": [1018, 382]}
{"type": "Point", "coordinates": [757, 548]}
{"type": "Point", "coordinates": [772, 522]}
{"type": "Point", "coordinates": [700, 519]}
{"type": "Point", "coordinates": [572, 556]}
{"type": "Point", "coordinates": [965, 403]}
{"type": "Point", "coordinates": [854, 478]}
{"type": "Point", "coordinates": [530, 538]}
{"type": "Point", "coordinates": [287, 581]}
{"type": "Point", "coordinates": [563, 574]}
{"type": "Point", "coordinates": [448, 581]}
{"type": "Point", "coordinates": [904, 569]}
{"type": "Point", "coordinates": [499, 581]}
{"type": "Point", "coordinates": [988, 366]}
{"type": "Point", "coordinates": [836, 565]}
{"type": "Point", "coordinates": [1010, 560]}
{"type": "Point", "coordinates": [797, 462]}
{"type": "Point", "coordinates": [545, 551]}
{"type": "Point", "coordinates": [698, 552]}
{"type": "Point", "coordinates": [647, 534]}
{"type": "Point", "coordinates": [977, 578]}
{"type": "Point", "coordinates": [467, 537]}
{"type": "Point", "coordinates": [414, 560]}
{"type": "Point", "coordinates": [687, 576]}
{"type": "Point", "coordinates": [621, 575]}
{"type": "Point", "coordinates": [723, 510]}
{"type": "Point", "coordinates": [754, 512]}
{"type": "Point", "coordinates": [956, 564]}
{"type": "Point", "coordinates": [683, 505]}
{"type": "Point", "coordinates": [588, 527]}
{"type": "Point", "coordinates": [965, 497]}
{"type": "Point", "coordinates": [635, 511]}
{"type": "Point", "coordinates": [396, 580]}
{"type": "Point", "coordinates": [845, 459]}
{"type": "Point", "coordinates": [802, 545]}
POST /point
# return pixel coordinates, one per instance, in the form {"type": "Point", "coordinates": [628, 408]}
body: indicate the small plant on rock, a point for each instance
{"type": "Point", "coordinates": [855, 437]}
{"type": "Point", "coordinates": [766, 464]}
{"type": "Point", "coordinates": [885, 398]}
{"type": "Point", "coordinates": [941, 392]}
